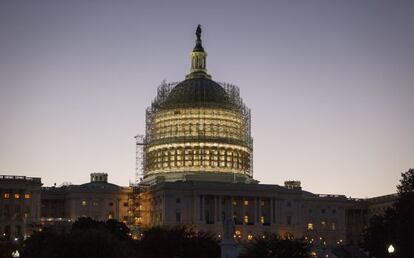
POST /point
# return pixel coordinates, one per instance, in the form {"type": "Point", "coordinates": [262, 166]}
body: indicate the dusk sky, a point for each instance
{"type": "Point", "coordinates": [330, 85]}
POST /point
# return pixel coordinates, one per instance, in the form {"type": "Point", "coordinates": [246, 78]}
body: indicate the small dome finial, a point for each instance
{"type": "Point", "coordinates": [198, 32]}
{"type": "Point", "coordinates": [198, 58]}
{"type": "Point", "coordinates": [198, 46]}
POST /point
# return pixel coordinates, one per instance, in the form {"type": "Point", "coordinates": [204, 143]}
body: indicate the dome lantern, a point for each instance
{"type": "Point", "coordinates": [198, 59]}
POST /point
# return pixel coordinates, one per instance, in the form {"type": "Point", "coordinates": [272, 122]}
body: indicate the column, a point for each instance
{"type": "Point", "coordinates": [256, 210]}
{"type": "Point", "coordinates": [219, 219]}
{"type": "Point", "coordinates": [272, 200]}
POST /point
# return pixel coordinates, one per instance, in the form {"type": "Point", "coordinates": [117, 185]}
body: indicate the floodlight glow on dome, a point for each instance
{"type": "Point", "coordinates": [198, 125]}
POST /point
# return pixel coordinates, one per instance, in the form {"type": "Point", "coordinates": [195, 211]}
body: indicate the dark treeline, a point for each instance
{"type": "Point", "coordinates": [396, 226]}
{"type": "Point", "coordinates": [112, 239]}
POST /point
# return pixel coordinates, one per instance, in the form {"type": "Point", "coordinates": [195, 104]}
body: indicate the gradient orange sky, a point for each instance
{"type": "Point", "coordinates": [330, 85]}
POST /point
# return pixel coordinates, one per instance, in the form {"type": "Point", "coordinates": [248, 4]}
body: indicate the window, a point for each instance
{"type": "Point", "coordinates": [262, 220]}
{"type": "Point", "coordinates": [16, 196]}
{"type": "Point", "coordinates": [333, 226]}
{"type": "Point", "coordinates": [249, 237]}
{"type": "Point", "coordinates": [289, 220]}
{"type": "Point", "coordinates": [289, 204]}
{"type": "Point", "coordinates": [27, 196]}
{"type": "Point", "coordinates": [246, 202]}
{"type": "Point", "coordinates": [246, 219]}
{"type": "Point", "coordinates": [95, 203]}
{"type": "Point", "coordinates": [323, 223]}
{"type": "Point", "coordinates": [6, 195]}
{"type": "Point", "coordinates": [83, 203]}
{"type": "Point", "coordinates": [178, 200]}
{"type": "Point", "coordinates": [125, 204]}
{"type": "Point", "coordinates": [310, 226]}
{"type": "Point", "coordinates": [323, 211]}
{"type": "Point", "coordinates": [111, 204]}
{"type": "Point", "coordinates": [333, 211]}
{"type": "Point", "coordinates": [310, 210]}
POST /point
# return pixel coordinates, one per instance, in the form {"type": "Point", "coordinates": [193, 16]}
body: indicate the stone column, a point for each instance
{"type": "Point", "coordinates": [219, 209]}
{"type": "Point", "coordinates": [259, 207]}
{"type": "Point", "coordinates": [271, 210]}
{"type": "Point", "coordinates": [231, 207]}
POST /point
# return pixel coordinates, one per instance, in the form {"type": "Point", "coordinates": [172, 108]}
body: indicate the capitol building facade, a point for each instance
{"type": "Point", "coordinates": [197, 170]}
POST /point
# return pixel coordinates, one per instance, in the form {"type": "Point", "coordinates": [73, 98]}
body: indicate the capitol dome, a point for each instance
{"type": "Point", "coordinates": [197, 128]}
{"type": "Point", "coordinates": [197, 91]}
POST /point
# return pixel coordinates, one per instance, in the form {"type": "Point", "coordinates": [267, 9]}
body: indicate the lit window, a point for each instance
{"type": "Point", "coordinates": [234, 203]}
{"type": "Point", "coordinates": [110, 216]}
{"type": "Point", "coordinates": [95, 204]}
{"type": "Point", "coordinates": [246, 203]}
{"type": "Point", "coordinates": [27, 196]}
{"type": "Point", "coordinates": [313, 254]}
{"type": "Point", "coordinates": [6, 195]}
{"type": "Point", "coordinates": [262, 220]}
{"type": "Point", "coordinates": [249, 237]}
{"type": "Point", "coordinates": [323, 223]}
{"type": "Point", "coordinates": [333, 226]}
{"type": "Point", "coordinates": [83, 203]}
{"type": "Point", "coordinates": [237, 232]}
{"type": "Point", "coordinates": [16, 196]}
{"type": "Point", "coordinates": [246, 219]}
{"type": "Point", "coordinates": [310, 226]}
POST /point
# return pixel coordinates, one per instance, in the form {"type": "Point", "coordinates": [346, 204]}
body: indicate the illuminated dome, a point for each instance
{"type": "Point", "coordinates": [198, 128]}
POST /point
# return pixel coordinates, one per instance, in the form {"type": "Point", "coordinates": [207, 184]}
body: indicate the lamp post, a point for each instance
{"type": "Point", "coordinates": [390, 250]}
{"type": "Point", "coordinates": [16, 254]}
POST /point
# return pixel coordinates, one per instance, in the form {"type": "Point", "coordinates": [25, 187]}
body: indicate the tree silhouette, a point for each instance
{"type": "Point", "coordinates": [396, 226]}
{"type": "Point", "coordinates": [272, 246]}
{"type": "Point", "coordinates": [87, 239]}
{"type": "Point", "coordinates": [180, 242]}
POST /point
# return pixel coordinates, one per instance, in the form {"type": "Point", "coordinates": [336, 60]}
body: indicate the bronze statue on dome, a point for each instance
{"type": "Point", "coordinates": [198, 32]}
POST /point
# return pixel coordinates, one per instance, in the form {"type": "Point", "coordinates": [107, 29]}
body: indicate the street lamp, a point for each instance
{"type": "Point", "coordinates": [391, 249]}
{"type": "Point", "coordinates": [16, 254]}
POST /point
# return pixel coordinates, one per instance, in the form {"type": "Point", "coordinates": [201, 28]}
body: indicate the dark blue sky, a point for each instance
{"type": "Point", "coordinates": [330, 85]}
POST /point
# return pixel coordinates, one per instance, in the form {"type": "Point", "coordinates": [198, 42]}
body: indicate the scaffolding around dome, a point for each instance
{"type": "Point", "coordinates": [194, 136]}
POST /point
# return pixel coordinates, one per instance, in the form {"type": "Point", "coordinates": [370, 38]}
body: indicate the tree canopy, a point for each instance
{"type": "Point", "coordinates": [87, 239]}
{"type": "Point", "coordinates": [272, 246]}
{"type": "Point", "coordinates": [111, 239]}
{"type": "Point", "coordinates": [182, 242]}
{"type": "Point", "coordinates": [396, 226]}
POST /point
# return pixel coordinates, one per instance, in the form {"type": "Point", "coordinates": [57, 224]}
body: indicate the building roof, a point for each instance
{"type": "Point", "coordinates": [197, 91]}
